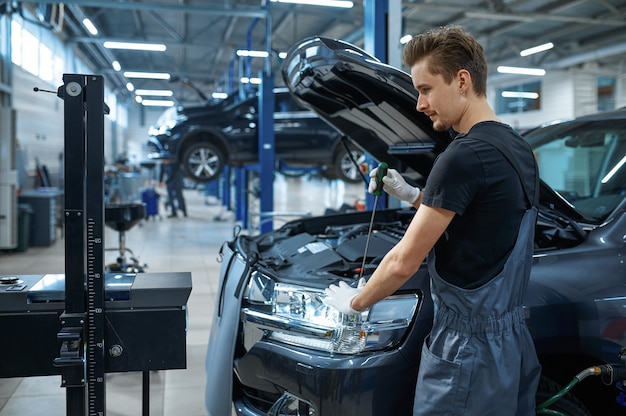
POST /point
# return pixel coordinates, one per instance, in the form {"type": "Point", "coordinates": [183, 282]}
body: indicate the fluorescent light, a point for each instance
{"type": "Point", "coordinates": [219, 95]}
{"type": "Point", "coordinates": [149, 75]}
{"type": "Point", "coordinates": [520, 94]}
{"type": "Point", "coordinates": [329, 3]}
{"type": "Point", "coordinates": [405, 39]}
{"type": "Point", "coordinates": [138, 98]}
{"type": "Point", "coordinates": [159, 47]}
{"type": "Point", "coordinates": [157, 103]}
{"type": "Point", "coordinates": [537, 49]}
{"type": "Point", "coordinates": [90, 26]}
{"type": "Point", "coordinates": [246, 80]}
{"type": "Point", "coordinates": [521, 71]}
{"type": "Point", "coordinates": [116, 65]}
{"type": "Point", "coordinates": [155, 93]}
{"type": "Point", "coordinates": [253, 54]}
{"type": "Point", "coordinates": [282, 55]}
{"type": "Point", "coordinates": [130, 87]}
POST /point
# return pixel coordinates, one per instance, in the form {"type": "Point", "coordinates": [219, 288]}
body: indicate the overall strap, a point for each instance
{"type": "Point", "coordinates": [533, 199]}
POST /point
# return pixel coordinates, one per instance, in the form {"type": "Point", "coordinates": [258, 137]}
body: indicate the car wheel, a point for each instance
{"type": "Point", "coordinates": [203, 162]}
{"type": "Point", "coordinates": [344, 167]}
{"type": "Point", "coordinates": [568, 404]}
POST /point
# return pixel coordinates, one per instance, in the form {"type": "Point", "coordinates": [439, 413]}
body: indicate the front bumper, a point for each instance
{"type": "Point", "coordinates": [275, 379]}
{"type": "Point", "coordinates": [156, 149]}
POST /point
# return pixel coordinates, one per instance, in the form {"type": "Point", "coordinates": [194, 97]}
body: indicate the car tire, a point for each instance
{"type": "Point", "coordinates": [203, 162]}
{"type": "Point", "coordinates": [568, 404]}
{"type": "Point", "coordinates": [344, 168]}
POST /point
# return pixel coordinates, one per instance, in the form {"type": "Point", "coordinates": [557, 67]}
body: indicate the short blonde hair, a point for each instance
{"type": "Point", "coordinates": [450, 49]}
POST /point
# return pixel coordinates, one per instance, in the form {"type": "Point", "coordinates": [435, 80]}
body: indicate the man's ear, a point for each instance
{"type": "Point", "coordinates": [464, 79]}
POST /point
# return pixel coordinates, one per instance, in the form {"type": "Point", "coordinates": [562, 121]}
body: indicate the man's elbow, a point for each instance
{"type": "Point", "coordinates": [401, 271]}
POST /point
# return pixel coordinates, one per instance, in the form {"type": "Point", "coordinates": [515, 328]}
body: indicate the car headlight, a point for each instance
{"type": "Point", "coordinates": [296, 315]}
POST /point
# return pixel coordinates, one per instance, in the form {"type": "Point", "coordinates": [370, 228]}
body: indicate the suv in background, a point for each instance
{"type": "Point", "coordinates": [205, 138]}
{"type": "Point", "coordinates": [277, 349]}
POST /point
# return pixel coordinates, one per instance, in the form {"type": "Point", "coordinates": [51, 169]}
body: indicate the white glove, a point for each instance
{"type": "Point", "coordinates": [340, 296]}
{"type": "Point", "coordinates": [395, 185]}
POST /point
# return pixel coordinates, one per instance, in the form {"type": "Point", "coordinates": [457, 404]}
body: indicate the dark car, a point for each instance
{"type": "Point", "coordinates": [204, 138]}
{"type": "Point", "coordinates": [277, 349]}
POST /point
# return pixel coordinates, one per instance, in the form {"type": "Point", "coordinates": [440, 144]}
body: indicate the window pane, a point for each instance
{"type": "Point", "coordinates": [30, 57]}
{"type": "Point", "coordinates": [16, 43]}
{"type": "Point", "coordinates": [46, 68]}
{"type": "Point", "coordinates": [606, 93]}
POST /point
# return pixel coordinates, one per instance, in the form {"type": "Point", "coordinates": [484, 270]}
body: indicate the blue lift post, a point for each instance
{"type": "Point", "coordinates": [225, 184]}
{"type": "Point", "coordinates": [267, 153]}
{"type": "Point", "coordinates": [267, 156]}
{"type": "Point", "coordinates": [241, 204]}
{"type": "Point", "coordinates": [375, 41]}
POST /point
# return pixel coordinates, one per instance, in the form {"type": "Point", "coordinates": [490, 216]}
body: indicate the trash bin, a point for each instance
{"type": "Point", "coordinates": [24, 212]}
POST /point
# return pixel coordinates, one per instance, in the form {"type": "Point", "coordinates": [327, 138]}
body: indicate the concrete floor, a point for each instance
{"type": "Point", "coordinates": [179, 245]}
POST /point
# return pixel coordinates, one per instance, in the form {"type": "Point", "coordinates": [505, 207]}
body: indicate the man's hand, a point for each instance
{"type": "Point", "coordinates": [340, 296]}
{"type": "Point", "coordinates": [395, 185]}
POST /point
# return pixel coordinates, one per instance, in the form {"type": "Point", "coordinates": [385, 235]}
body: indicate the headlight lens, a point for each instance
{"type": "Point", "coordinates": [296, 315]}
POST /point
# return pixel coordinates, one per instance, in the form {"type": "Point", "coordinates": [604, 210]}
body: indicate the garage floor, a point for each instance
{"type": "Point", "coordinates": [177, 244]}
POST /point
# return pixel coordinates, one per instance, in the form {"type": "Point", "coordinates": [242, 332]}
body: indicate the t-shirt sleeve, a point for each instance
{"type": "Point", "coordinates": [455, 179]}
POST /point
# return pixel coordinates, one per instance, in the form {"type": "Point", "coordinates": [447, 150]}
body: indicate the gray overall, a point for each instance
{"type": "Point", "coordinates": [479, 358]}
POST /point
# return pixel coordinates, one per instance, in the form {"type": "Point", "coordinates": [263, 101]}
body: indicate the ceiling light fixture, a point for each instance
{"type": "Point", "coordinates": [159, 47]}
{"type": "Point", "coordinates": [219, 95]}
{"type": "Point", "coordinates": [157, 103]}
{"type": "Point", "coordinates": [90, 26]}
{"type": "Point", "coordinates": [537, 49]}
{"type": "Point", "coordinates": [329, 3]}
{"type": "Point", "coordinates": [253, 54]}
{"type": "Point", "coordinates": [130, 87]}
{"type": "Point", "coordinates": [148, 75]}
{"type": "Point", "coordinates": [520, 94]}
{"type": "Point", "coordinates": [155, 93]}
{"type": "Point", "coordinates": [116, 65]}
{"type": "Point", "coordinates": [405, 39]}
{"type": "Point", "coordinates": [521, 71]}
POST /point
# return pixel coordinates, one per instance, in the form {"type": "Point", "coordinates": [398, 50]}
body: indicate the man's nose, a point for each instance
{"type": "Point", "coordinates": [421, 103]}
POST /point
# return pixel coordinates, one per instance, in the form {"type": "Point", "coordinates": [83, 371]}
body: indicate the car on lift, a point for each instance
{"type": "Point", "coordinates": [204, 138]}
{"type": "Point", "coordinates": [275, 347]}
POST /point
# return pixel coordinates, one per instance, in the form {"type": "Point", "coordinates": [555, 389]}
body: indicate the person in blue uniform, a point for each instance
{"type": "Point", "coordinates": [474, 224]}
{"type": "Point", "coordinates": [172, 175]}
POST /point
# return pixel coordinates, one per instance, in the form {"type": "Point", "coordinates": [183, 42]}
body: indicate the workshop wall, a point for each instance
{"type": "Point", "coordinates": [39, 126]}
{"type": "Point", "coordinates": [140, 118]}
{"type": "Point", "coordinates": [39, 122]}
{"type": "Point", "coordinates": [565, 93]}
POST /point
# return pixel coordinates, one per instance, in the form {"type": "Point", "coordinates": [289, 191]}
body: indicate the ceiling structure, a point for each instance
{"type": "Point", "coordinates": [202, 36]}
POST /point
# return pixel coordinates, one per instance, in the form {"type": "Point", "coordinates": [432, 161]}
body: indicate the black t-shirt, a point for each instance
{"type": "Point", "coordinates": [474, 179]}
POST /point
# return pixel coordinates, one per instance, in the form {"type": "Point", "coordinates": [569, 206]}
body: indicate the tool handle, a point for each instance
{"type": "Point", "coordinates": [382, 171]}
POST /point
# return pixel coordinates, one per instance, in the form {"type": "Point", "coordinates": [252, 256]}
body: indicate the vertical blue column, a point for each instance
{"type": "Point", "coordinates": [375, 42]}
{"type": "Point", "coordinates": [375, 31]}
{"type": "Point", "coordinates": [241, 204]}
{"type": "Point", "coordinates": [267, 157]}
{"type": "Point", "coordinates": [225, 185]}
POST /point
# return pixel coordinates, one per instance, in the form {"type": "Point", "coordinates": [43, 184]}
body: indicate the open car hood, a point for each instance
{"type": "Point", "coordinates": [365, 99]}
{"type": "Point", "coordinates": [374, 104]}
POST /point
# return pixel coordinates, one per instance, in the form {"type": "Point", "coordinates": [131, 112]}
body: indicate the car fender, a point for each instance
{"type": "Point", "coordinates": [222, 341]}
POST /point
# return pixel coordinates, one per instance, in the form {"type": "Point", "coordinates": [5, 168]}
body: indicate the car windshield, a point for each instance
{"type": "Point", "coordinates": [584, 162]}
{"type": "Point", "coordinates": [168, 117]}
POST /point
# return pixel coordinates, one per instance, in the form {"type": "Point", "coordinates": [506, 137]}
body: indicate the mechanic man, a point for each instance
{"type": "Point", "coordinates": [478, 211]}
{"type": "Point", "coordinates": [174, 184]}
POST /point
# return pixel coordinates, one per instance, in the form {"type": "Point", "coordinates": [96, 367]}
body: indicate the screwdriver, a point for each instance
{"type": "Point", "coordinates": [382, 171]}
